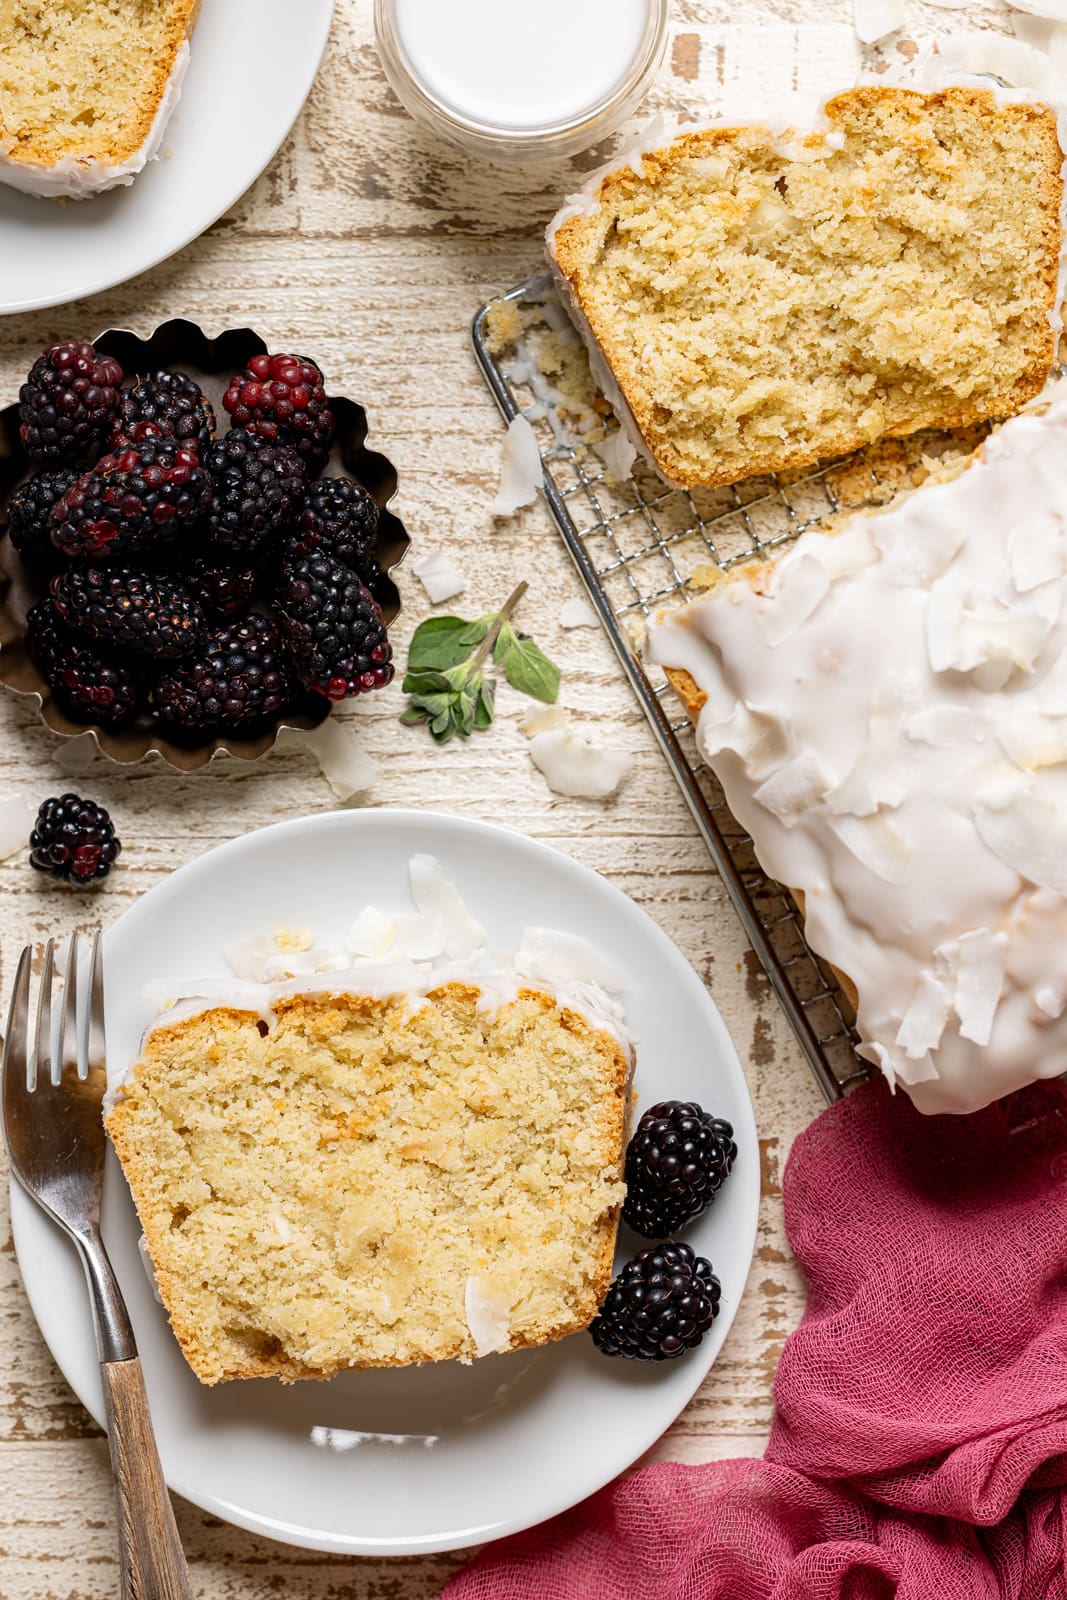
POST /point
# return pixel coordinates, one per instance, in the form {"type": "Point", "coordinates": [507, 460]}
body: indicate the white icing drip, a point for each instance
{"type": "Point", "coordinates": [936, 869]}
{"type": "Point", "coordinates": [79, 178]}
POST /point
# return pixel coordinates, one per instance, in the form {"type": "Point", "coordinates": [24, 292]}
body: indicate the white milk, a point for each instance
{"type": "Point", "coordinates": [506, 64]}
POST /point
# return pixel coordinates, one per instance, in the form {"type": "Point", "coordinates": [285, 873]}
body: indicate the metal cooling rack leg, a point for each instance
{"type": "Point", "coordinates": [698, 806]}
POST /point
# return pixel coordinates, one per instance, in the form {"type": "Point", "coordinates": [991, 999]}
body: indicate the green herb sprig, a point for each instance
{"type": "Point", "coordinates": [446, 680]}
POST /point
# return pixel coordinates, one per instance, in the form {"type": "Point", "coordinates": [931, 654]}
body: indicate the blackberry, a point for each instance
{"type": "Point", "coordinates": [257, 489]}
{"type": "Point", "coordinates": [334, 629]}
{"type": "Point", "coordinates": [163, 405]}
{"type": "Point", "coordinates": [86, 685]}
{"type": "Point", "coordinates": [132, 502]}
{"type": "Point", "coordinates": [661, 1304]}
{"type": "Point", "coordinates": [282, 399]}
{"type": "Point", "coordinates": [241, 680]}
{"type": "Point", "coordinates": [153, 616]}
{"type": "Point", "coordinates": [337, 518]}
{"type": "Point", "coordinates": [223, 590]}
{"type": "Point", "coordinates": [27, 518]}
{"type": "Point", "coordinates": [676, 1163]}
{"type": "Point", "coordinates": [73, 839]}
{"type": "Point", "coordinates": [68, 402]}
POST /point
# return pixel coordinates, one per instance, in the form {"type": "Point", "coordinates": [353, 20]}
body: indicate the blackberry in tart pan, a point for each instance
{"type": "Point", "coordinates": [165, 502]}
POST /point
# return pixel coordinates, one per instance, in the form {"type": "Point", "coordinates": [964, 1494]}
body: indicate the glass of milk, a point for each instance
{"type": "Point", "coordinates": [511, 81]}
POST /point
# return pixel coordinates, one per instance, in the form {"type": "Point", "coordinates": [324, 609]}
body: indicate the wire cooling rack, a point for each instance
{"type": "Point", "coordinates": [636, 545]}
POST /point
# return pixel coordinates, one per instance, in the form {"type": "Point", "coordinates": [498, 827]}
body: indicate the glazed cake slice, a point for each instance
{"type": "Point", "coordinates": [404, 1169]}
{"type": "Point", "coordinates": [755, 301]}
{"type": "Point", "coordinates": [886, 709]}
{"type": "Point", "coordinates": [86, 90]}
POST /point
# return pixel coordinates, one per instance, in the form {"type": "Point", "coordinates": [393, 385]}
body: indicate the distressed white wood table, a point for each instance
{"type": "Point", "coordinates": [369, 245]}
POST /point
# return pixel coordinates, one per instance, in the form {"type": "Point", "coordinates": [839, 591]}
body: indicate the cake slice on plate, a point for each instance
{"type": "Point", "coordinates": [388, 1167]}
{"type": "Point", "coordinates": [756, 300]}
{"type": "Point", "coordinates": [886, 709]}
{"type": "Point", "coordinates": [86, 90]}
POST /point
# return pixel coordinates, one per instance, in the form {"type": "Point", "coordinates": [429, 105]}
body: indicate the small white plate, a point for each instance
{"type": "Point", "coordinates": [217, 143]}
{"type": "Point", "coordinates": [417, 1458]}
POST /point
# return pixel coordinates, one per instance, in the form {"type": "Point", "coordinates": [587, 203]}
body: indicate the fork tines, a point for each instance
{"type": "Point", "coordinates": [59, 1046]}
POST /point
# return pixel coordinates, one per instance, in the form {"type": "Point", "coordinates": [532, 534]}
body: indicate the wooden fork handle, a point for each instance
{"type": "Point", "coordinates": [152, 1563]}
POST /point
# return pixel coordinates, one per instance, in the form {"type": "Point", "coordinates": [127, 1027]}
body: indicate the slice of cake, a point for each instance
{"type": "Point", "coordinates": [756, 301]}
{"type": "Point", "coordinates": [376, 1176]}
{"type": "Point", "coordinates": [886, 709]}
{"type": "Point", "coordinates": [86, 90]}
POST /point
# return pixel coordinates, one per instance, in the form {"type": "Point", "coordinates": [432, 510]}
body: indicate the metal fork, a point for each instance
{"type": "Point", "coordinates": [55, 1134]}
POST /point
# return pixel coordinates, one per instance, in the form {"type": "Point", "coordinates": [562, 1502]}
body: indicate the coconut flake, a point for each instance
{"type": "Point", "coordinates": [572, 766]}
{"type": "Point", "coordinates": [1037, 553]}
{"type": "Point", "coordinates": [1048, 10]}
{"type": "Point", "coordinates": [16, 824]}
{"type": "Point", "coordinates": [521, 471]}
{"type": "Point", "coordinates": [761, 741]}
{"type": "Point", "coordinates": [944, 726]}
{"type": "Point", "coordinates": [439, 576]}
{"type": "Point", "coordinates": [882, 776]}
{"type": "Point", "coordinates": [795, 788]}
{"type": "Point", "coordinates": [438, 899]}
{"type": "Point", "coordinates": [247, 958]}
{"type": "Point", "coordinates": [876, 843]}
{"type": "Point", "coordinates": [979, 981]}
{"type": "Point", "coordinates": [371, 934]}
{"type": "Point", "coordinates": [1033, 741]}
{"type": "Point", "coordinates": [1029, 835]}
{"type": "Point", "coordinates": [578, 614]}
{"type": "Point", "coordinates": [346, 766]}
{"type": "Point", "coordinates": [875, 19]}
{"type": "Point", "coordinates": [549, 955]}
{"type": "Point", "coordinates": [1050, 1001]}
{"type": "Point", "coordinates": [990, 54]}
{"type": "Point", "coordinates": [913, 556]}
{"type": "Point", "coordinates": [800, 586]}
{"type": "Point", "coordinates": [618, 454]}
{"type": "Point", "coordinates": [541, 718]}
{"type": "Point", "coordinates": [842, 554]}
{"type": "Point", "coordinates": [924, 1021]}
{"type": "Point", "coordinates": [990, 640]}
{"type": "Point", "coordinates": [488, 1317]}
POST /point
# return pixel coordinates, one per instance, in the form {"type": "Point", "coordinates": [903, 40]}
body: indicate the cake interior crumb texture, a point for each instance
{"type": "Point", "coordinates": [83, 79]}
{"type": "Point", "coordinates": [763, 304]}
{"type": "Point", "coordinates": [322, 1193]}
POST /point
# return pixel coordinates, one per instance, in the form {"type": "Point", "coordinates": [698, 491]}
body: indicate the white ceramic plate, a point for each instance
{"type": "Point", "coordinates": [217, 144]}
{"type": "Point", "coordinates": [419, 1458]}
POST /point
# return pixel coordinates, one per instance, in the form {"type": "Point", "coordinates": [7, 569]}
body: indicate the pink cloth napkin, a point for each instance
{"type": "Point", "coordinates": [919, 1447]}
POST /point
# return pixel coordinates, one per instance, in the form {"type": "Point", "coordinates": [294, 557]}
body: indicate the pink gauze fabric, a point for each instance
{"type": "Point", "coordinates": [919, 1447]}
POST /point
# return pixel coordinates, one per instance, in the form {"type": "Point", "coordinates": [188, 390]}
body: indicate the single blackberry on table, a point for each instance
{"type": "Point", "coordinates": [68, 402]}
{"type": "Point", "coordinates": [283, 399]}
{"type": "Point", "coordinates": [146, 614]}
{"type": "Point", "coordinates": [676, 1163]}
{"type": "Point", "coordinates": [239, 681]}
{"type": "Point", "coordinates": [334, 628]}
{"type": "Point", "coordinates": [73, 839]}
{"type": "Point", "coordinates": [86, 685]}
{"type": "Point", "coordinates": [659, 1306]}
{"type": "Point", "coordinates": [257, 488]}
{"type": "Point", "coordinates": [164, 404]}
{"type": "Point", "coordinates": [222, 589]}
{"type": "Point", "coordinates": [337, 518]}
{"type": "Point", "coordinates": [28, 518]}
{"type": "Point", "coordinates": [132, 502]}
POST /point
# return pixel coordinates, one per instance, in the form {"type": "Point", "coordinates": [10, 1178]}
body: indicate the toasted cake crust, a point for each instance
{"type": "Point", "coordinates": [760, 311]}
{"type": "Point", "coordinates": [316, 1196]}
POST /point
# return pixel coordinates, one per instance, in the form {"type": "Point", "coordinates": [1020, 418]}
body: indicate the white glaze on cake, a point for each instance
{"type": "Point", "coordinates": [887, 713]}
{"type": "Point", "coordinates": [74, 178]}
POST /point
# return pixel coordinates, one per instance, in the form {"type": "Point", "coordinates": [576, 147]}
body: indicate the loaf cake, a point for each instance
{"type": "Point", "coordinates": [86, 90]}
{"type": "Point", "coordinates": [756, 300]}
{"type": "Point", "coordinates": [403, 1167]}
{"type": "Point", "coordinates": [886, 709]}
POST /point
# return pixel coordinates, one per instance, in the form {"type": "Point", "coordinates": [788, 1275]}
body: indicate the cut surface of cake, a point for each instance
{"type": "Point", "coordinates": [399, 1168]}
{"type": "Point", "coordinates": [86, 89]}
{"type": "Point", "coordinates": [757, 300]}
{"type": "Point", "coordinates": [886, 709]}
